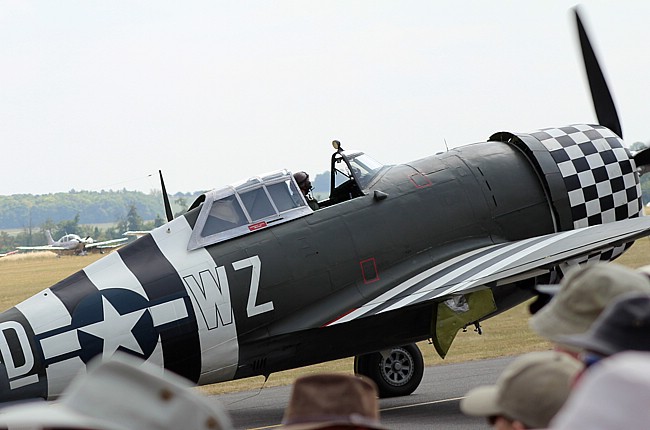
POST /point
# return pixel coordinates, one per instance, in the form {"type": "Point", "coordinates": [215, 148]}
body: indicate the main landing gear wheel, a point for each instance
{"type": "Point", "coordinates": [397, 372]}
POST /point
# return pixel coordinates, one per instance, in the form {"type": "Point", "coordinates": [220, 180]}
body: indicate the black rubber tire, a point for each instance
{"type": "Point", "coordinates": [397, 374]}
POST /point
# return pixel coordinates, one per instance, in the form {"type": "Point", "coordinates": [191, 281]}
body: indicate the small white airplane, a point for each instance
{"type": "Point", "coordinates": [8, 253]}
{"type": "Point", "coordinates": [73, 243]}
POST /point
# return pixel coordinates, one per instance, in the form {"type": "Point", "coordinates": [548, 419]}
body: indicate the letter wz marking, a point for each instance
{"type": "Point", "coordinates": [212, 295]}
{"type": "Point", "coordinates": [253, 309]}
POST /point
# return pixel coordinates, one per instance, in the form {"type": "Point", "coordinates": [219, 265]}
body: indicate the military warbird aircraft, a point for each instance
{"type": "Point", "coordinates": [252, 281]}
{"type": "Point", "coordinates": [74, 244]}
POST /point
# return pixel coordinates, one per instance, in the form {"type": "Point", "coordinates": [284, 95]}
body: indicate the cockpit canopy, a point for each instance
{"type": "Point", "coordinates": [247, 206]}
{"type": "Point", "coordinates": [73, 237]}
{"type": "Point", "coordinates": [275, 198]}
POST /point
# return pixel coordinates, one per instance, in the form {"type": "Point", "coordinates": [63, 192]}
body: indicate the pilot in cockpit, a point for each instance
{"type": "Point", "coordinates": [302, 179]}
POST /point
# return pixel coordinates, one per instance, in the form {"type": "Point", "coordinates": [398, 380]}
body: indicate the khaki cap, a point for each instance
{"type": "Point", "coordinates": [530, 390]}
{"type": "Point", "coordinates": [584, 293]}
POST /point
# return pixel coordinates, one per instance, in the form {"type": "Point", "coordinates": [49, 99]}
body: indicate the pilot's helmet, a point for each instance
{"type": "Point", "coordinates": [302, 179]}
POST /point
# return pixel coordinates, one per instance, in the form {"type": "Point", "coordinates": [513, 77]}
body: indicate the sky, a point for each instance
{"type": "Point", "coordinates": [100, 95]}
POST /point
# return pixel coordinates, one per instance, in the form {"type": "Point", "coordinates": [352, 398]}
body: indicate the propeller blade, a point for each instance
{"type": "Point", "coordinates": [642, 160]}
{"type": "Point", "coordinates": [601, 97]}
{"type": "Point", "coordinates": [168, 206]}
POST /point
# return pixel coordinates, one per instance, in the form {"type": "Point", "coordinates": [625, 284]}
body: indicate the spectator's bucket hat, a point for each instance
{"type": "Point", "coordinates": [123, 393]}
{"type": "Point", "coordinates": [623, 326]}
{"type": "Point", "coordinates": [329, 400]}
{"type": "Point", "coordinates": [584, 292]}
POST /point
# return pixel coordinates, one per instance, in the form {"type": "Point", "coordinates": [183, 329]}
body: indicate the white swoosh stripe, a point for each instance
{"type": "Point", "coordinates": [405, 286]}
{"type": "Point", "coordinates": [495, 268]}
{"type": "Point", "coordinates": [477, 278]}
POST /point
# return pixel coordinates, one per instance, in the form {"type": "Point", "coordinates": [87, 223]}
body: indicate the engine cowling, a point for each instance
{"type": "Point", "coordinates": [589, 175]}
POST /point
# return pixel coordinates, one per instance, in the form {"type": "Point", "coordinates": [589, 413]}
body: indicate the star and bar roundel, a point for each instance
{"type": "Point", "coordinates": [133, 301]}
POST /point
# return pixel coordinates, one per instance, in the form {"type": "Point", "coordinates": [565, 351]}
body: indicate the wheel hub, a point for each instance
{"type": "Point", "coordinates": [397, 367]}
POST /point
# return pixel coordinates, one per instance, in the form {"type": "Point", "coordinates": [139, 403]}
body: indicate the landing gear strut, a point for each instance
{"type": "Point", "coordinates": [397, 371]}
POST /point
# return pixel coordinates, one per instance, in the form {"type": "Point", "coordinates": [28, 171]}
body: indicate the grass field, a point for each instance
{"type": "Point", "coordinates": [23, 275]}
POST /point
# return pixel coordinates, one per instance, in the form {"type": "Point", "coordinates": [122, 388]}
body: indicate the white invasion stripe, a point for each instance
{"type": "Point", "coordinates": [498, 266]}
{"type": "Point", "coordinates": [45, 312]}
{"type": "Point", "coordinates": [168, 312]}
{"type": "Point", "coordinates": [61, 373]}
{"type": "Point", "coordinates": [21, 382]}
{"type": "Point", "coordinates": [219, 347]}
{"type": "Point", "coordinates": [405, 286]}
{"type": "Point", "coordinates": [111, 272]}
{"type": "Point", "coordinates": [459, 272]}
{"type": "Point", "coordinates": [60, 344]}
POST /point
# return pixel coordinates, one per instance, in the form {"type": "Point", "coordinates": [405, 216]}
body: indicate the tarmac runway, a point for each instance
{"type": "Point", "coordinates": [434, 405]}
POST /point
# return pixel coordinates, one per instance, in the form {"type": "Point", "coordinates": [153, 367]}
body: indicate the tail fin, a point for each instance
{"type": "Point", "coordinates": [48, 234]}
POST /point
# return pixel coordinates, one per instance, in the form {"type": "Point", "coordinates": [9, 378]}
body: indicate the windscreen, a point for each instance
{"type": "Point", "coordinates": [364, 167]}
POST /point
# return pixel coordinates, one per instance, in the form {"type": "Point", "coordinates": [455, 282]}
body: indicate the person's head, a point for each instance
{"type": "Point", "coordinates": [611, 395]}
{"type": "Point", "coordinates": [624, 325]}
{"type": "Point", "coordinates": [527, 394]}
{"type": "Point", "coordinates": [302, 179]}
{"type": "Point", "coordinates": [123, 393]}
{"type": "Point", "coordinates": [332, 401]}
{"type": "Point", "coordinates": [584, 293]}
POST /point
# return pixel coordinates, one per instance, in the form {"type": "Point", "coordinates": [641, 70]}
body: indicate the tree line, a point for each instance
{"type": "Point", "coordinates": [79, 212]}
{"type": "Point", "coordinates": [27, 211]}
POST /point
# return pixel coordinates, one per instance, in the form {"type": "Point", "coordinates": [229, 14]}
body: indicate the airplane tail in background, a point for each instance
{"type": "Point", "coordinates": [48, 235]}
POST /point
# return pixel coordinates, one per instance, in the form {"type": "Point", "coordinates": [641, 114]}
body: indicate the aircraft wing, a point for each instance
{"type": "Point", "coordinates": [106, 243]}
{"type": "Point", "coordinates": [501, 264]}
{"type": "Point", "coordinates": [136, 233]}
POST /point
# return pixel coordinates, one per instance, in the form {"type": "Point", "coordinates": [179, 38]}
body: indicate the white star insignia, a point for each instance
{"type": "Point", "coordinates": [115, 329]}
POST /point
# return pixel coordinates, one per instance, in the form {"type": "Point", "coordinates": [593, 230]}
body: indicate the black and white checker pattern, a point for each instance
{"type": "Point", "coordinates": [609, 254]}
{"type": "Point", "coordinates": [599, 175]}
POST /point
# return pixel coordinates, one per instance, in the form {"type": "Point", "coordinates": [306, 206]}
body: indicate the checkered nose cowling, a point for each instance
{"type": "Point", "coordinates": [589, 175]}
